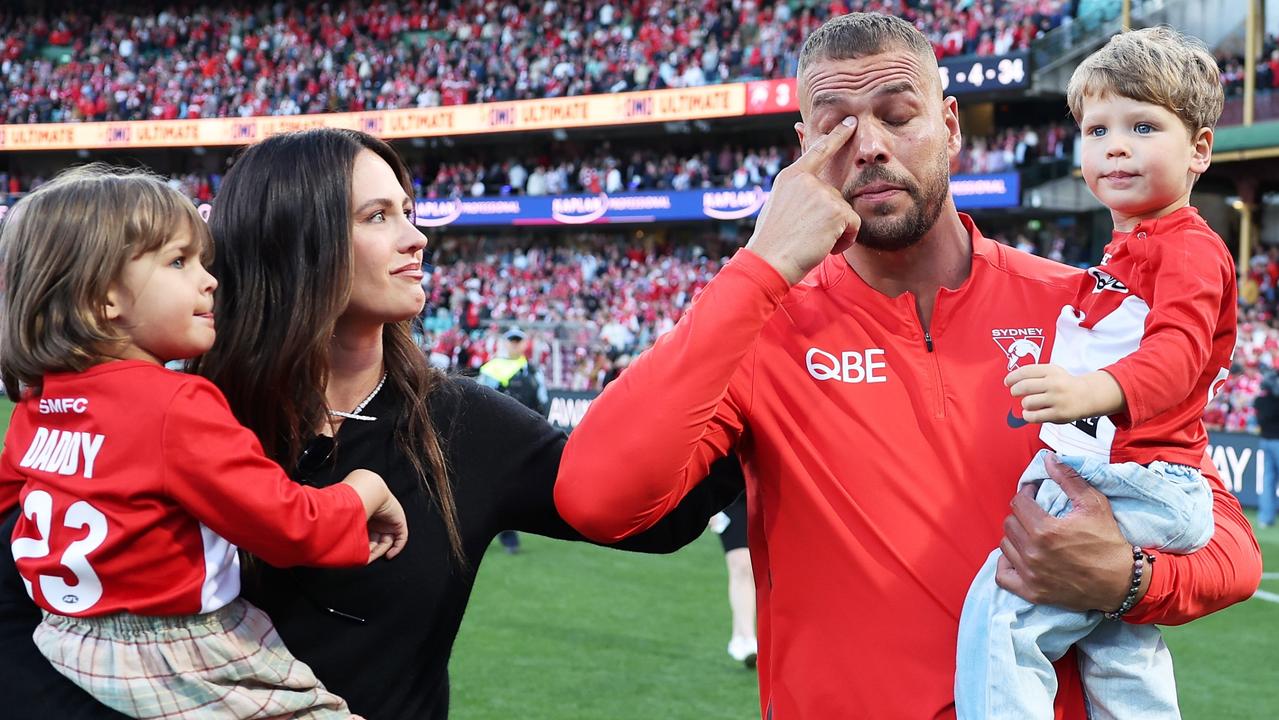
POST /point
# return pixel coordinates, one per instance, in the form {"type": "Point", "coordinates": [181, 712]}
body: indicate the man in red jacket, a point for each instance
{"type": "Point", "coordinates": [854, 355]}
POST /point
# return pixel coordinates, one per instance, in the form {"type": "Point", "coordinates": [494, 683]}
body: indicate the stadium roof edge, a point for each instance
{"type": "Point", "coordinates": [1246, 142]}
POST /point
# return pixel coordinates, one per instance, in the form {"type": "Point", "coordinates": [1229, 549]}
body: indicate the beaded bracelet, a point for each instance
{"type": "Point", "coordinates": [1140, 558]}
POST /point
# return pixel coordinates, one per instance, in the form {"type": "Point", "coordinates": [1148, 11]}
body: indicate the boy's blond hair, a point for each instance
{"type": "Point", "coordinates": [61, 248]}
{"type": "Point", "coordinates": [1156, 65]}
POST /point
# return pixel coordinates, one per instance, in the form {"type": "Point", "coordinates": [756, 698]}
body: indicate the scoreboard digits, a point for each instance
{"type": "Point", "coordinates": [990, 74]}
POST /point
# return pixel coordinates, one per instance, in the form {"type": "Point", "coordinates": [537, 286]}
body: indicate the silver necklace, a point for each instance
{"type": "Point", "coordinates": [355, 414]}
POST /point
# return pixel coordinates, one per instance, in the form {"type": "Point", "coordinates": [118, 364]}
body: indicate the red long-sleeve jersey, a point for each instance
{"type": "Point", "coordinates": [880, 460]}
{"type": "Point", "coordinates": [1159, 315]}
{"type": "Point", "coordinates": [137, 484]}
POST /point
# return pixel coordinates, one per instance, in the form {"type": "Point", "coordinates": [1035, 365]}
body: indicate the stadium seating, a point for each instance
{"type": "Point", "coordinates": [587, 304]}
{"type": "Point", "coordinates": [294, 57]}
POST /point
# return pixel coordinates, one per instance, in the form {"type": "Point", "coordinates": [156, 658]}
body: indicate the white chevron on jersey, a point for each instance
{"type": "Point", "coordinates": [1081, 350]}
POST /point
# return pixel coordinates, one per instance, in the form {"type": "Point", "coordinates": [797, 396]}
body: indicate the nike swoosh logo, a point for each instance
{"type": "Point", "coordinates": [1015, 422]}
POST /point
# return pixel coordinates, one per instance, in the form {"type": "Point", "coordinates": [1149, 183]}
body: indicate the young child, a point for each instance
{"type": "Point", "coordinates": [1135, 360]}
{"type": "Point", "coordinates": [136, 483]}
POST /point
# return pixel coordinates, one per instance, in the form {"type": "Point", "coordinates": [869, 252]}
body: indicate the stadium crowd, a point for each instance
{"type": "Point", "coordinates": [601, 169]}
{"type": "Point", "coordinates": [588, 304]}
{"type": "Point", "coordinates": [1257, 350]}
{"type": "Point", "coordinates": [291, 57]}
{"type": "Point", "coordinates": [1232, 68]}
{"type": "Point", "coordinates": [182, 60]}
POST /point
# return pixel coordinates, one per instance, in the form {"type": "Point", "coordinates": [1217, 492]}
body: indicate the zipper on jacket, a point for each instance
{"type": "Point", "coordinates": [939, 392]}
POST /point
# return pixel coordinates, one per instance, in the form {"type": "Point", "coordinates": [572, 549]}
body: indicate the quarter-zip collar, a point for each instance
{"type": "Point", "coordinates": [838, 277]}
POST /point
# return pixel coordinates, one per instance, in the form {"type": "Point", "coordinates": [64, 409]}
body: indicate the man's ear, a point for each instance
{"type": "Point", "coordinates": [950, 117]}
{"type": "Point", "coordinates": [1202, 156]}
{"type": "Point", "coordinates": [801, 131]}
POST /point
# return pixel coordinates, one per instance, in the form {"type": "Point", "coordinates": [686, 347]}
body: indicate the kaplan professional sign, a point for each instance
{"type": "Point", "coordinates": [971, 192]}
{"type": "Point", "coordinates": [974, 192]}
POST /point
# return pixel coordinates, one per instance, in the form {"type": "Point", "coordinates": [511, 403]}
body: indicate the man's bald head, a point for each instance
{"type": "Point", "coordinates": [857, 35]}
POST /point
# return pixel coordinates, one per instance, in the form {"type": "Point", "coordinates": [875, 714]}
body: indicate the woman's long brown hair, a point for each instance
{"type": "Point", "coordinates": [282, 232]}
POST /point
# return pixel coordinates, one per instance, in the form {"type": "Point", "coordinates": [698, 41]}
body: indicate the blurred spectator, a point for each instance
{"type": "Point", "coordinates": [1267, 80]}
{"type": "Point", "coordinates": [1267, 410]}
{"type": "Point", "coordinates": [1256, 353]}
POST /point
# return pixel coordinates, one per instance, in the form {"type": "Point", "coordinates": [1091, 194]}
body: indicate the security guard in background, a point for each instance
{"type": "Point", "coordinates": [511, 373]}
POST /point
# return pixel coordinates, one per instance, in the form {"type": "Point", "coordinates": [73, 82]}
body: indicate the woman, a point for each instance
{"type": "Point", "coordinates": [319, 266]}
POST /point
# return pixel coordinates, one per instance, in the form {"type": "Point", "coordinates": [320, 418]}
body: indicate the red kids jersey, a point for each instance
{"type": "Point", "coordinates": [1159, 315]}
{"type": "Point", "coordinates": [136, 484]}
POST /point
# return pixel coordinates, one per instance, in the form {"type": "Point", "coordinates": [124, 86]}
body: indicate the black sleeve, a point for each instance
{"type": "Point", "coordinates": [501, 447]}
{"type": "Point", "coordinates": [30, 689]}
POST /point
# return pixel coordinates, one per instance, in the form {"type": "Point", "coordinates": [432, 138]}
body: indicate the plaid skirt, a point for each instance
{"type": "Point", "coordinates": [229, 663]}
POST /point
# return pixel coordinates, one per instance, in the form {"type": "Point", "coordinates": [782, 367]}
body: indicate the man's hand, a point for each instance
{"type": "Point", "coordinates": [1050, 394]}
{"type": "Point", "coordinates": [1079, 562]}
{"type": "Point", "coordinates": [805, 219]}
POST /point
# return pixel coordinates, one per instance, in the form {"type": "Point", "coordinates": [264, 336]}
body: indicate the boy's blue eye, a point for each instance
{"type": "Point", "coordinates": [1097, 131]}
{"type": "Point", "coordinates": [178, 263]}
{"type": "Point", "coordinates": [1144, 128]}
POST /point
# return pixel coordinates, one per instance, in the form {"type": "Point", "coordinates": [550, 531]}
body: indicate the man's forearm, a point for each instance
{"type": "Point", "coordinates": [654, 431]}
{"type": "Point", "coordinates": [1226, 571]}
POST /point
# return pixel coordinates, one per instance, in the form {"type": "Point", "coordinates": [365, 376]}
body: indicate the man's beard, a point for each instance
{"type": "Point", "coordinates": [882, 232]}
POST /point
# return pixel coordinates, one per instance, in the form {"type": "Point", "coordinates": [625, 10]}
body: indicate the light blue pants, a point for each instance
{"type": "Point", "coordinates": [1007, 645]}
{"type": "Point", "coordinates": [1266, 498]}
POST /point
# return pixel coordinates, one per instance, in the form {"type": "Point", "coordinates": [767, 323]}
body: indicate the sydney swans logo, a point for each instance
{"type": "Point", "coordinates": [1021, 346]}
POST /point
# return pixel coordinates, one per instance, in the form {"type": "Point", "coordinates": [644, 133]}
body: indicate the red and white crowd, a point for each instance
{"type": "Point", "coordinates": [167, 60]}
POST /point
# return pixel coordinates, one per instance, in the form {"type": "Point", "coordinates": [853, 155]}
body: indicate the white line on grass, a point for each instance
{"type": "Point", "coordinates": [1270, 576]}
{"type": "Point", "coordinates": [1268, 596]}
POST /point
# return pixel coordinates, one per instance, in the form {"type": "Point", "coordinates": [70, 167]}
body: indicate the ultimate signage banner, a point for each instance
{"type": "Point", "coordinates": [972, 192]}
{"type": "Point", "coordinates": [967, 74]}
{"type": "Point", "coordinates": [646, 106]}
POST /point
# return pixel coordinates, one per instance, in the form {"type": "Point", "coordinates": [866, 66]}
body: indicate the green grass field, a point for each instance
{"type": "Point", "coordinates": [567, 631]}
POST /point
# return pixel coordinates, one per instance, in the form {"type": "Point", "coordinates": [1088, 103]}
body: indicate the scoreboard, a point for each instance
{"type": "Point", "coordinates": [966, 75]}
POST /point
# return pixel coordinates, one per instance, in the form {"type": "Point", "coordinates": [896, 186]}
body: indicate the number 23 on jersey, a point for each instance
{"type": "Point", "coordinates": [59, 595]}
